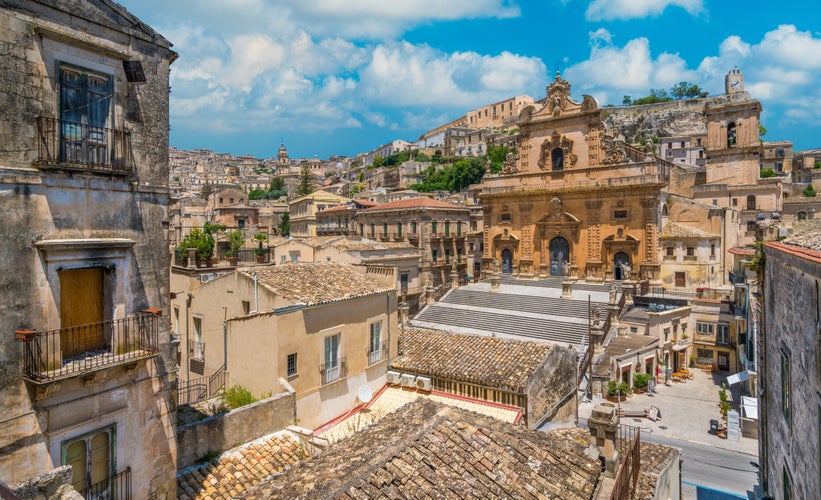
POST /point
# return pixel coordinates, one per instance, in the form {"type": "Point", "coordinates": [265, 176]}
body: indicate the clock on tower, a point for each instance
{"type": "Point", "coordinates": [734, 82]}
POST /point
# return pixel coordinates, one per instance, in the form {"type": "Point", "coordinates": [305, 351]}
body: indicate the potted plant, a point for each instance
{"type": "Point", "coordinates": [260, 252]}
{"type": "Point", "coordinates": [640, 381]}
{"type": "Point", "coordinates": [199, 239]}
{"type": "Point", "coordinates": [236, 238]}
{"type": "Point", "coordinates": [616, 390]}
{"type": "Point", "coordinates": [692, 360]}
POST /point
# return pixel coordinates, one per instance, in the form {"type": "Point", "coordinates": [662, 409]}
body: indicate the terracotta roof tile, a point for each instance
{"type": "Point", "coordinates": [798, 251]}
{"type": "Point", "coordinates": [654, 459]}
{"type": "Point", "coordinates": [317, 282]}
{"type": "Point", "coordinates": [421, 202]}
{"type": "Point", "coordinates": [490, 361]}
{"type": "Point", "coordinates": [426, 449]}
{"type": "Point", "coordinates": [237, 470]}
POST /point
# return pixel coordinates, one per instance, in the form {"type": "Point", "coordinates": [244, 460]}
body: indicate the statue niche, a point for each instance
{"type": "Point", "coordinates": [556, 153]}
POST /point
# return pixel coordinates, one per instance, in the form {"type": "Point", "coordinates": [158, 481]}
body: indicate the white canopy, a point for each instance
{"type": "Point", "coordinates": [749, 407]}
{"type": "Point", "coordinates": [737, 377]}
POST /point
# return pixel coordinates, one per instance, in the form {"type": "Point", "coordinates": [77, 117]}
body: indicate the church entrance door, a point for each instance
{"type": "Point", "coordinates": [620, 259]}
{"type": "Point", "coordinates": [507, 261]}
{"type": "Point", "coordinates": [559, 254]}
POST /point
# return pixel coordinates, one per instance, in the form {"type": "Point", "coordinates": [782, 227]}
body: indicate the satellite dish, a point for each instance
{"type": "Point", "coordinates": [364, 394]}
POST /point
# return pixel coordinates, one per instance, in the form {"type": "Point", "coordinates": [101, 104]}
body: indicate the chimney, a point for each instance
{"type": "Point", "coordinates": [604, 425]}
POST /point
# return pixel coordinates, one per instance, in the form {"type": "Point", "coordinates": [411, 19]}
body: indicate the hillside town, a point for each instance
{"type": "Point", "coordinates": [542, 298]}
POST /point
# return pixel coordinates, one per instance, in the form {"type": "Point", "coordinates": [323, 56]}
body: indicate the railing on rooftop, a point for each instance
{"type": "Point", "coordinates": [116, 487]}
{"type": "Point", "coordinates": [698, 293]}
{"type": "Point", "coordinates": [628, 441]}
{"type": "Point", "coordinates": [83, 146]}
{"type": "Point", "coordinates": [200, 388]}
{"type": "Point", "coordinates": [380, 353]}
{"type": "Point", "coordinates": [68, 352]}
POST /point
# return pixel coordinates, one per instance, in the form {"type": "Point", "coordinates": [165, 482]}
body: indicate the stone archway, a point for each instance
{"type": "Point", "coordinates": [559, 255]}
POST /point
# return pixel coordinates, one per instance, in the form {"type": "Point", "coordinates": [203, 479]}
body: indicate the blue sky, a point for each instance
{"type": "Point", "coordinates": [342, 77]}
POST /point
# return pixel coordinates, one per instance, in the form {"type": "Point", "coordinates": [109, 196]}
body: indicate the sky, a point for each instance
{"type": "Point", "coordinates": [340, 77]}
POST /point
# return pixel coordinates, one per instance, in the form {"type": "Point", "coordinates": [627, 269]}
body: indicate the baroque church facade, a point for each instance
{"type": "Point", "coordinates": [574, 201]}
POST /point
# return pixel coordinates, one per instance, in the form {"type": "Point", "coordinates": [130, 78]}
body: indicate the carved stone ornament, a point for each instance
{"type": "Point", "coordinates": [557, 207]}
{"type": "Point", "coordinates": [612, 152]}
{"type": "Point", "coordinates": [558, 93]}
{"type": "Point", "coordinates": [509, 165]}
{"type": "Point", "coordinates": [47, 391]}
{"type": "Point", "coordinates": [556, 140]}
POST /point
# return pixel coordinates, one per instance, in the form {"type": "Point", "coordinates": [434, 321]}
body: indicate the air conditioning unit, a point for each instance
{"type": "Point", "coordinates": [393, 377]}
{"type": "Point", "coordinates": [407, 380]}
{"type": "Point", "coordinates": [423, 383]}
{"type": "Point", "coordinates": [205, 278]}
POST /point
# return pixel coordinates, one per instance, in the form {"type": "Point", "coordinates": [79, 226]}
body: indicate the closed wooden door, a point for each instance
{"type": "Point", "coordinates": [81, 311]}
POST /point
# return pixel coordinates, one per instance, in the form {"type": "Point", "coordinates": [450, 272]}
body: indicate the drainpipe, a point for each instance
{"type": "Point", "coordinates": [388, 314]}
{"type": "Point", "coordinates": [225, 339]}
{"type": "Point", "coordinates": [187, 315]}
{"type": "Point", "coordinates": [256, 292]}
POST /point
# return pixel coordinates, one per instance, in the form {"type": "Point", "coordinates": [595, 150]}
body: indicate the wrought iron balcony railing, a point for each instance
{"type": "Point", "coordinates": [116, 487]}
{"type": "Point", "coordinates": [196, 350]}
{"type": "Point", "coordinates": [82, 146]}
{"type": "Point", "coordinates": [79, 350]}
{"type": "Point", "coordinates": [331, 372]}
{"type": "Point", "coordinates": [379, 353]}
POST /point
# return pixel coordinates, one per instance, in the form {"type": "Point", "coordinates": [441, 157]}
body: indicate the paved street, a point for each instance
{"type": "Point", "coordinates": [686, 410]}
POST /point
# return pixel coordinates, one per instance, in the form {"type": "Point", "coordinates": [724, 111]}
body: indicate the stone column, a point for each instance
{"type": "Point", "coordinates": [567, 289]}
{"type": "Point", "coordinates": [494, 282]}
{"type": "Point", "coordinates": [604, 425]}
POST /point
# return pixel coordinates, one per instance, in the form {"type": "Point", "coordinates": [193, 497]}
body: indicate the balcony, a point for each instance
{"type": "Point", "coordinates": [384, 237]}
{"type": "Point", "coordinates": [397, 236]}
{"type": "Point", "coordinates": [435, 236]}
{"type": "Point", "coordinates": [117, 486]}
{"type": "Point", "coordinates": [196, 350]}
{"type": "Point", "coordinates": [380, 354]}
{"type": "Point", "coordinates": [413, 236]}
{"type": "Point", "coordinates": [79, 146]}
{"type": "Point", "coordinates": [690, 258]}
{"type": "Point", "coordinates": [333, 372]}
{"type": "Point", "coordinates": [54, 355]}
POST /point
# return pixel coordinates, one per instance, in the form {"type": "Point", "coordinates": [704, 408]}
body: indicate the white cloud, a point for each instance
{"type": "Point", "coordinates": [608, 10]}
{"type": "Point", "coordinates": [622, 70]}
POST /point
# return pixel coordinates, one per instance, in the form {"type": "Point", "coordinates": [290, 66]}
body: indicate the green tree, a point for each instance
{"type": "Point", "coordinates": [497, 156]}
{"type": "Point", "coordinates": [809, 191]}
{"type": "Point", "coordinates": [284, 225]}
{"type": "Point", "coordinates": [626, 100]}
{"type": "Point", "coordinates": [378, 162]}
{"type": "Point", "coordinates": [453, 178]}
{"type": "Point", "coordinates": [305, 181]}
{"type": "Point", "coordinates": [762, 131]}
{"type": "Point", "coordinates": [207, 190]}
{"type": "Point", "coordinates": [277, 184]}
{"type": "Point", "coordinates": [656, 96]}
{"type": "Point", "coordinates": [687, 90]}
{"type": "Point", "coordinates": [199, 239]}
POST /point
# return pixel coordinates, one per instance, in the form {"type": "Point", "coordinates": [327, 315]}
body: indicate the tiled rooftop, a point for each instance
{"type": "Point", "coordinates": [675, 230]}
{"type": "Point", "coordinates": [489, 361]}
{"type": "Point", "coordinates": [367, 244]}
{"type": "Point", "coordinates": [808, 239]}
{"type": "Point", "coordinates": [654, 459]}
{"type": "Point", "coordinates": [421, 202]}
{"type": "Point", "coordinates": [431, 450]}
{"type": "Point", "coordinates": [391, 398]}
{"type": "Point", "coordinates": [624, 344]}
{"type": "Point", "coordinates": [237, 470]}
{"type": "Point", "coordinates": [316, 283]}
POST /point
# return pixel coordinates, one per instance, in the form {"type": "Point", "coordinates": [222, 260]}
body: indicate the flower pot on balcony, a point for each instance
{"type": "Point", "coordinates": [232, 261]}
{"type": "Point", "coordinates": [260, 259]}
{"type": "Point", "coordinates": [24, 335]}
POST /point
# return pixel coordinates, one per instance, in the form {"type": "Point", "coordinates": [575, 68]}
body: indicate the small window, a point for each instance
{"type": "Point", "coordinates": [723, 334]}
{"type": "Point", "coordinates": [292, 366]}
{"type": "Point", "coordinates": [375, 344]}
{"type": "Point", "coordinates": [447, 228]}
{"type": "Point", "coordinates": [691, 251]}
{"type": "Point", "coordinates": [433, 227]}
{"type": "Point", "coordinates": [704, 328]}
{"type": "Point", "coordinates": [91, 458]}
{"type": "Point", "coordinates": [712, 249]}
{"type": "Point", "coordinates": [246, 306]}
{"type": "Point", "coordinates": [230, 200]}
{"type": "Point", "coordinates": [505, 218]}
{"type": "Point", "coordinates": [735, 202]}
{"type": "Point", "coordinates": [413, 226]}
{"type": "Point", "coordinates": [433, 255]}
{"type": "Point", "coordinates": [620, 214]}
{"type": "Point", "coordinates": [671, 251]}
{"type": "Point", "coordinates": [385, 229]}
{"type": "Point", "coordinates": [399, 229]}
{"type": "Point", "coordinates": [752, 225]}
{"type": "Point", "coordinates": [633, 329]}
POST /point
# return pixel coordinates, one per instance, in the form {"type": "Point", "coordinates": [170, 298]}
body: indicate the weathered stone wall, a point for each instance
{"type": "Point", "coordinates": [667, 119]}
{"type": "Point", "coordinates": [55, 204]}
{"type": "Point", "coordinates": [223, 432]}
{"type": "Point", "coordinates": [52, 484]}
{"type": "Point", "coordinates": [551, 389]}
{"type": "Point", "coordinates": [791, 326]}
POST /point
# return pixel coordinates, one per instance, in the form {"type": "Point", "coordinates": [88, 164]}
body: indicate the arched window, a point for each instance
{"type": "Point", "coordinates": [557, 159]}
{"type": "Point", "coordinates": [731, 135]}
{"type": "Point", "coordinates": [802, 215]}
{"type": "Point", "coordinates": [751, 202]}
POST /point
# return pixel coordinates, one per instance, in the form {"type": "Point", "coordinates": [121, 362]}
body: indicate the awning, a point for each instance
{"type": "Point", "coordinates": [679, 347]}
{"type": "Point", "coordinates": [749, 407]}
{"type": "Point", "coordinates": [737, 377]}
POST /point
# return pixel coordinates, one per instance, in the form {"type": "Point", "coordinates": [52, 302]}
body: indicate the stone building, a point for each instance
{"type": "Point", "coordinates": [573, 195]}
{"type": "Point", "coordinates": [436, 228]}
{"type": "Point", "coordinates": [537, 377]}
{"type": "Point", "coordinates": [88, 376]}
{"type": "Point", "coordinates": [302, 211]}
{"type": "Point", "coordinates": [789, 369]}
{"type": "Point", "coordinates": [326, 328]}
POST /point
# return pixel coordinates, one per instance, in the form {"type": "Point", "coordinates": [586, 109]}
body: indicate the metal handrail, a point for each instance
{"type": "Point", "coordinates": [79, 145]}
